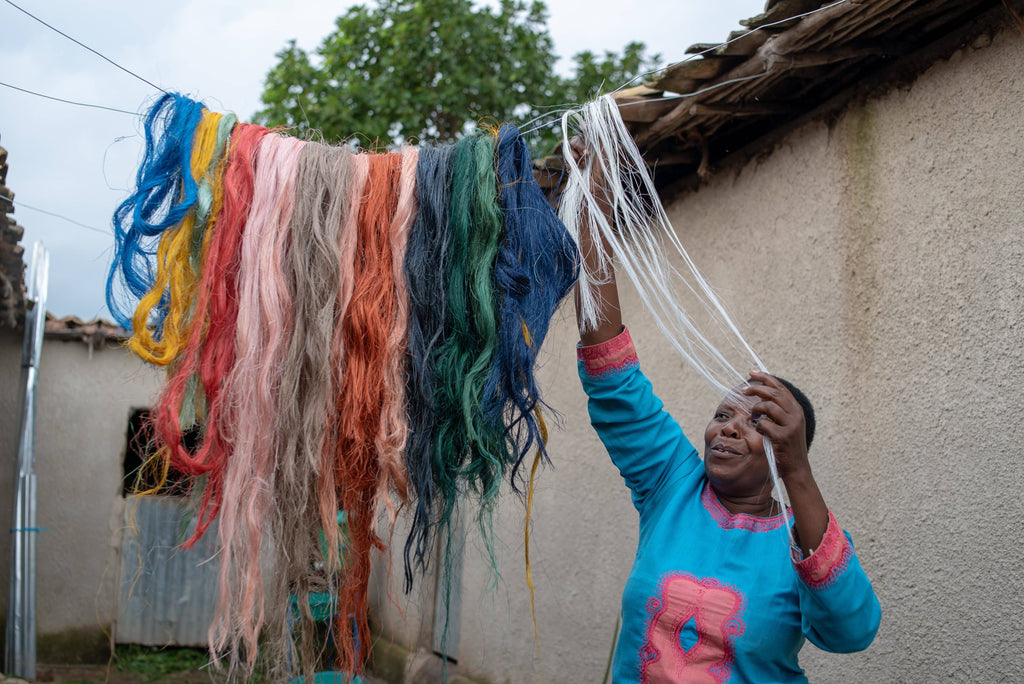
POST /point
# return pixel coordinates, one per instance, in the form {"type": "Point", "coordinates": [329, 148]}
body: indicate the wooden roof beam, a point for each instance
{"type": "Point", "coordinates": [806, 60]}
{"type": "Point", "coordinates": [756, 65]}
{"type": "Point", "coordinates": [752, 109]}
{"type": "Point", "coordinates": [643, 109]}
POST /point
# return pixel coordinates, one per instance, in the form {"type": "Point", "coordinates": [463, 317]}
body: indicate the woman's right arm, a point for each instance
{"type": "Point", "coordinates": [602, 270]}
{"type": "Point", "coordinates": [643, 440]}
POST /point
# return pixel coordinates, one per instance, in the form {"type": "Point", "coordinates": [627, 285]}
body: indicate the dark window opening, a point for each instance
{"type": "Point", "coordinates": [142, 471]}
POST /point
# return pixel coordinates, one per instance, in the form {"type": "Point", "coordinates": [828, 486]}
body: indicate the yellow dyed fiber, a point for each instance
{"type": "Point", "coordinates": [208, 204]}
{"type": "Point", "coordinates": [175, 272]}
{"type": "Point", "coordinates": [526, 546]}
{"type": "Point", "coordinates": [215, 177]}
{"type": "Point", "coordinates": [529, 505]}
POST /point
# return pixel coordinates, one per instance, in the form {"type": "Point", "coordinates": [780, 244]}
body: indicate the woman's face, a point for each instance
{"type": "Point", "coordinates": [734, 450]}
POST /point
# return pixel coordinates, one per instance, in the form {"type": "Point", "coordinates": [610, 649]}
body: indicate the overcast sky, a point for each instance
{"type": "Point", "coordinates": [80, 162]}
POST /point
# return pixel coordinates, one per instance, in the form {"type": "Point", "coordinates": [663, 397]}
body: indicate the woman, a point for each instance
{"type": "Point", "coordinates": [713, 596]}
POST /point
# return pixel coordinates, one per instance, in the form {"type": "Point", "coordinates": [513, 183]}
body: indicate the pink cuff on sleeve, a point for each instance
{"type": "Point", "coordinates": [829, 560]}
{"type": "Point", "coordinates": [611, 356]}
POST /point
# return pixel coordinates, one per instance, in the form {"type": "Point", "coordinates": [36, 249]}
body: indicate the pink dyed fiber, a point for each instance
{"type": "Point", "coordinates": [395, 424]}
{"type": "Point", "coordinates": [264, 320]}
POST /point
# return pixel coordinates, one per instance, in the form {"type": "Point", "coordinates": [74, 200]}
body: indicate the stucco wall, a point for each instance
{"type": "Point", "coordinates": [83, 406]}
{"type": "Point", "coordinates": [877, 263]}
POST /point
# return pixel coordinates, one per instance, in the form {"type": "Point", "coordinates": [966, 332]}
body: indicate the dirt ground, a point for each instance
{"type": "Point", "coordinates": [101, 674]}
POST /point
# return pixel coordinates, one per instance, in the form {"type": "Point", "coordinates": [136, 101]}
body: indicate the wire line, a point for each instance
{"type": "Point", "coordinates": [78, 42]}
{"type": "Point", "coordinates": [19, 203]}
{"type": "Point", "coordinates": [60, 99]}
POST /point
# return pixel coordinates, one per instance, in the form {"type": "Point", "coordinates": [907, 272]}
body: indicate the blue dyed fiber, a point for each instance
{"type": "Point", "coordinates": [424, 270]}
{"type": "Point", "coordinates": [164, 193]}
{"type": "Point", "coordinates": [535, 269]}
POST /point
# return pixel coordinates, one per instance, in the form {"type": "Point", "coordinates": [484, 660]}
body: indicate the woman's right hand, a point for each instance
{"type": "Point", "coordinates": [592, 245]}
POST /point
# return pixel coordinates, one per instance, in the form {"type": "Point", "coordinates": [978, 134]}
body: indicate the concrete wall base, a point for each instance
{"type": "Point", "coordinates": [390, 663]}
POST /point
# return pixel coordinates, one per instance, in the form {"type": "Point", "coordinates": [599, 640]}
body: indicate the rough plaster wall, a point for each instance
{"type": "Point", "coordinates": [83, 406]}
{"type": "Point", "coordinates": [877, 264]}
{"type": "Point", "coordinates": [407, 618]}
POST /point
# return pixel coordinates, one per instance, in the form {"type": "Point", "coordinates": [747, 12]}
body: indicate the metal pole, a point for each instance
{"type": "Point", "coordinates": [20, 655]}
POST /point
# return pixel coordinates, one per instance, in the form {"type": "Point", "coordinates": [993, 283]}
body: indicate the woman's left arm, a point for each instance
{"type": "Point", "coordinates": [839, 609]}
{"type": "Point", "coordinates": [780, 417]}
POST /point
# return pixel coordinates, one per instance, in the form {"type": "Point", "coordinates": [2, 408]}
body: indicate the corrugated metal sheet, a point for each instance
{"type": "Point", "coordinates": [168, 594]}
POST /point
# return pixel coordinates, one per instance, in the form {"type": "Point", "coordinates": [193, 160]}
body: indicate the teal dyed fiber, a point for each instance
{"type": "Point", "coordinates": [451, 361]}
{"type": "Point", "coordinates": [452, 358]}
{"type": "Point", "coordinates": [468, 450]}
{"type": "Point", "coordinates": [486, 465]}
{"type": "Point", "coordinates": [468, 454]}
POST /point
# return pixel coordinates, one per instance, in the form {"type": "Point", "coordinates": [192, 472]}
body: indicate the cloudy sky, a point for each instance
{"type": "Point", "coordinates": [80, 162]}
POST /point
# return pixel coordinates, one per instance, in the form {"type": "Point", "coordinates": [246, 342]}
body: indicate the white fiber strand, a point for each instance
{"type": "Point", "coordinates": [769, 453]}
{"type": "Point", "coordinates": [637, 240]}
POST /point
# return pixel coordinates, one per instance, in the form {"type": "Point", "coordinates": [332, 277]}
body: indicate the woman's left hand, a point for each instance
{"type": "Point", "coordinates": [778, 415]}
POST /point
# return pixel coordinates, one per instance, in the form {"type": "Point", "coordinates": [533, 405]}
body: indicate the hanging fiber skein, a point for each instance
{"type": "Point", "coordinates": [165, 192]}
{"type": "Point", "coordinates": [424, 269]}
{"type": "Point", "coordinates": [483, 224]}
{"type": "Point", "coordinates": [252, 391]}
{"type": "Point", "coordinates": [342, 333]}
{"type": "Point", "coordinates": [360, 408]}
{"type": "Point", "coordinates": [536, 267]}
{"type": "Point", "coordinates": [307, 520]}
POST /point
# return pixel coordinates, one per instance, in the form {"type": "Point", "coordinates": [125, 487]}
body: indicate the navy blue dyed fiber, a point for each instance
{"type": "Point", "coordinates": [424, 270]}
{"type": "Point", "coordinates": [536, 267]}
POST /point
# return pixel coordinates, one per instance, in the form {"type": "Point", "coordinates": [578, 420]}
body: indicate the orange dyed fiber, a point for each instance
{"type": "Point", "coordinates": [366, 329]}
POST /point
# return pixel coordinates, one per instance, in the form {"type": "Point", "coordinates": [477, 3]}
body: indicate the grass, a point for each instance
{"type": "Point", "coordinates": [154, 663]}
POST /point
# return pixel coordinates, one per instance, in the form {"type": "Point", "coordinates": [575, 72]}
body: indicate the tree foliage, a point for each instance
{"type": "Point", "coordinates": [594, 75]}
{"type": "Point", "coordinates": [431, 69]}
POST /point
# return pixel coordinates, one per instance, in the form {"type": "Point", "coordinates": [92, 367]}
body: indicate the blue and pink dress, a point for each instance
{"type": "Point", "coordinates": [712, 597]}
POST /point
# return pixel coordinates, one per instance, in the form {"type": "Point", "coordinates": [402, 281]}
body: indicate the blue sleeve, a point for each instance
{"type": "Point", "coordinates": [840, 611]}
{"type": "Point", "coordinates": [645, 443]}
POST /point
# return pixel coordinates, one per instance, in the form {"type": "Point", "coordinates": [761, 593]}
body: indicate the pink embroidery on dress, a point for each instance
{"type": "Point", "coordinates": [739, 521]}
{"type": "Point", "coordinates": [613, 356]}
{"type": "Point", "coordinates": [829, 560]}
{"type": "Point", "coordinates": [714, 607]}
